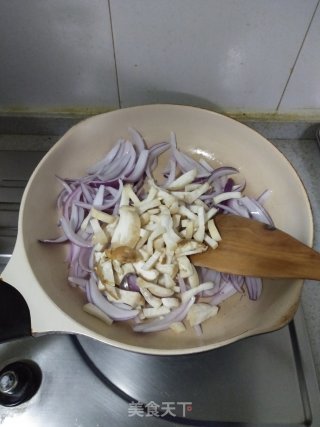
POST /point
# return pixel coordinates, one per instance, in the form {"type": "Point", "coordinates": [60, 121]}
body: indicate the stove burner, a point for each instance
{"type": "Point", "coordinates": [19, 381]}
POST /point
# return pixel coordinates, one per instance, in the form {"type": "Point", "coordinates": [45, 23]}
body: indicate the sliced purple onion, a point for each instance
{"type": "Point", "coordinates": [139, 169]}
{"type": "Point", "coordinates": [72, 236]}
{"type": "Point", "coordinates": [221, 172]}
{"type": "Point", "coordinates": [96, 168]}
{"type": "Point", "coordinates": [138, 140]}
{"type": "Point", "coordinates": [254, 287]}
{"type": "Point", "coordinates": [255, 210]}
{"type": "Point", "coordinates": [129, 283]}
{"type": "Point", "coordinates": [226, 290]}
{"type": "Point", "coordinates": [96, 298]}
{"type": "Point", "coordinates": [176, 315]}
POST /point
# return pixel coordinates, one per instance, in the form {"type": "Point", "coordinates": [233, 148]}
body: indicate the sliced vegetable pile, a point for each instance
{"type": "Point", "coordinates": [130, 236]}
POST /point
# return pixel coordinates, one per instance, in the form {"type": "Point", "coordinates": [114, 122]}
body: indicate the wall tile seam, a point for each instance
{"type": "Point", "coordinates": [297, 57]}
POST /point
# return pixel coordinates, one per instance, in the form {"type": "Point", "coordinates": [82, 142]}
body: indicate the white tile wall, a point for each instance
{"type": "Point", "coordinates": [231, 54]}
{"type": "Point", "coordinates": [56, 54]}
{"type": "Point", "coordinates": [303, 90]}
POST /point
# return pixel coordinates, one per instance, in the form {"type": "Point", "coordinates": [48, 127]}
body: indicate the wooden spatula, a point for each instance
{"type": "Point", "coordinates": [251, 248]}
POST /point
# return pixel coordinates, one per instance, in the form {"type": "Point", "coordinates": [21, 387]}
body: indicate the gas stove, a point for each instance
{"type": "Point", "coordinates": [64, 380]}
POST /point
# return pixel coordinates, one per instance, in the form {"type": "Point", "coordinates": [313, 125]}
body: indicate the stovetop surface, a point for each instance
{"type": "Point", "coordinates": [267, 379]}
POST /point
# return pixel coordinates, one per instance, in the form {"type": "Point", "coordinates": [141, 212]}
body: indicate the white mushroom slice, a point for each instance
{"type": "Point", "coordinates": [191, 197]}
{"type": "Point", "coordinates": [214, 233]}
{"type": "Point", "coordinates": [144, 236]}
{"type": "Point", "coordinates": [98, 256]}
{"type": "Point", "coordinates": [211, 213]}
{"type": "Point", "coordinates": [180, 195]}
{"type": "Point", "coordinates": [177, 327]}
{"type": "Point", "coordinates": [150, 275]}
{"type": "Point", "coordinates": [176, 220]}
{"type": "Point", "coordinates": [191, 187]}
{"type": "Point", "coordinates": [170, 302]}
{"type": "Point", "coordinates": [99, 314]}
{"type": "Point", "coordinates": [134, 299]}
{"type": "Point", "coordinates": [156, 290]}
{"type": "Point", "coordinates": [158, 244]}
{"type": "Point", "coordinates": [155, 312]}
{"type": "Point", "coordinates": [194, 278]}
{"type": "Point", "coordinates": [163, 257]}
{"type": "Point", "coordinates": [99, 236]}
{"type": "Point", "coordinates": [144, 218]}
{"type": "Point", "coordinates": [187, 213]}
{"type": "Point", "coordinates": [131, 194]}
{"type": "Point", "coordinates": [154, 218]}
{"type": "Point", "coordinates": [153, 192]}
{"type": "Point", "coordinates": [144, 253]}
{"type": "Point", "coordinates": [171, 269]}
{"type": "Point", "coordinates": [111, 227]}
{"type": "Point", "coordinates": [194, 208]}
{"type": "Point", "coordinates": [98, 247]}
{"type": "Point", "coordinates": [183, 234]}
{"type": "Point", "coordinates": [117, 271]}
{"type": "Point", "coordinates": [112, 291]}
{"type": "Point", "coordinates": [185, 266]}
{"type": "Point", "coordinates": [185, 222]}
{"type": "Point", "coordinates": [123, 254]}
{"type": "Point", "coordinates": [171, 239]}
{"type": "Point", "coordinates": [200, 312]}
{"type": "Point", "coordinates": [185, 296]}
{"type": "Point", "coordinates": [160, 291]}
{"type": "Point", "coordinates": [102, 216]}
{"type": "Point", "coordinates": [226, 196]}
{"type": "Point", "coordinates": [141, 316]}
{"type": "Point", "coordinates": [154, 211]}
{"type": "Point", "coordinates": [151, 226]}
{"type": "Point", "coordinates": [101, 286]}
{"type": "Point", "coordinates": [124, 201]}
{"type": "Point", "coordinates": [211, 242]}
{"type": "Point", "coordinates": [161, 280]}
{"type": "Point", "coordinates": [156, 233]}
{"type": "Point", "coordinates": [169, 282]}
{"type": "Point", "coordinates": [107, 272]}
{"type": "Point", "coordinates": [199, 234]}
{"type": "Point", "coordinates": [199, 202]}
{"type": "Point", "coordinates": [127, 232]}
{"type": "Point", "coordinates": [151, 261]}
{"type": "Point", "coordinates": [167, 198]}
{"type": "Point", "coordinates": [85, 222]}
{"type": "Point", "coordinates": [183, 180]}
{"type": "Point", "coordinates": [128, 268]}
{"type": "Point", "coordinates": [170, 256]}
{"type": "Point", "coordinates": [189, 230]}
{"type": "Point", "coordinates": [174, 208]}
{"type": "Point", "coordinates": [151, 299]}
{"type": "Point", "coordinates": [145, 206]}
{"type": "Point", "coordinates": [189, 247]}
{"type": "Point", "coordinates": [165, 220]}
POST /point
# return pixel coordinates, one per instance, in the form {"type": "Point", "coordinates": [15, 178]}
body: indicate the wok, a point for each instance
{"type": "Point", "coordinates": [39, 272]}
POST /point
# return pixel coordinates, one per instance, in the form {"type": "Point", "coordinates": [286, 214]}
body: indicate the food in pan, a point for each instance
{"type": "Point", "coordinates": [130, 235]}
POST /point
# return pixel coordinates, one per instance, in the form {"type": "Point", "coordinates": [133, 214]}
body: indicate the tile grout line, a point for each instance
{"type": "Point", "coordinates": [297, 57]}
{"type": "Point", "coordinates": [114, 54]}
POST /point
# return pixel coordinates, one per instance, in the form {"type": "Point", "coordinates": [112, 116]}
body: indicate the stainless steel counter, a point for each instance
{"type": "Point", "coordinates": [269, 379]}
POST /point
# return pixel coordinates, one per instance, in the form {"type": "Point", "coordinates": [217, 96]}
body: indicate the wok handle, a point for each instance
{"type": "Point", "coordinates": [15, 320]}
